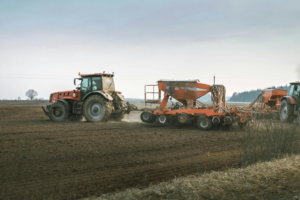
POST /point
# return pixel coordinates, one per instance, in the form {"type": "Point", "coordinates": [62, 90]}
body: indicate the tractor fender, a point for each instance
{"type": "Point", "coordinates": [289, 99]}
{"type": "Point", "coordinates": [105, 95]}
{"type": "Point", "coordinates": [65, 102]}
{"type": "Point", "coordinates": [121, 96]}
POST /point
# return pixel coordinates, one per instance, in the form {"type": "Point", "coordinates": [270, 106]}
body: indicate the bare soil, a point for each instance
{"type": "Point", "coordinates": [40, 159]}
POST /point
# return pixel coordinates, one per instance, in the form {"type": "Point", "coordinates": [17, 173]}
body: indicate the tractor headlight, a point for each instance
{"type": "Point", "coordinates": [74, 94]}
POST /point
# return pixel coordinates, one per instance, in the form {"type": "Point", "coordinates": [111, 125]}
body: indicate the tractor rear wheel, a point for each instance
{"type": "Point", "coordinates": [59, 112]}
{"type": "Point", "coordinates": [97, 109]}
{"type": "Point", "coordinates": [286, 112]}
{"type": "Point", "coordinates": [75, 118]}
{"type": "Point", "coordinates": [204, 123]}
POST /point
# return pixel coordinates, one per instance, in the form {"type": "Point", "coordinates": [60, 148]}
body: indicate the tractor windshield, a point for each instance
{"type": "Point", "coordinates": [297, 90]}
{"type": "Point", "coordinates": [294, 90]}
{"type": "Point", "coordinates": [108, 84]}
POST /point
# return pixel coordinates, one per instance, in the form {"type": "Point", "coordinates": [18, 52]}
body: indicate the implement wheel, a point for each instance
{"type": "Point", "coordinates": [147, 117]}
{"type": "Point", "coordinates": [59, 112]}
{"type": "Point", "coordinates": [286, 112]}
{"type": "Point", "coordinates": [204, 123]}
{"type": "Point", "coordinates": [97, 109]}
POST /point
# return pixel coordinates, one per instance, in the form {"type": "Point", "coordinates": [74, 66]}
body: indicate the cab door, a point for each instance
{"type": "Point", "coordinates": [85, 86]}
{"type": "Point", "coordinates": [291, 92]}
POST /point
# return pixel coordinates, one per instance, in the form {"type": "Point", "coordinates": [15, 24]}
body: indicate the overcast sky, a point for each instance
{"type": "Point", "coordinates": [246, 44]}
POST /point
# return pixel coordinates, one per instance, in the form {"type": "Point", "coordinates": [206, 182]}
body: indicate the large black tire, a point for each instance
{"type": "Point", "coordinates": [59, 112]}
{"type": "Point", "coordinates": [218, 124]}
{"type": "Point", "coordinates": [286, 112]}
{"type": "Point", "coordinates": [75, 118]}
{"type": "Point", "coordinates": [97, 109]}
{"type": "Point", "coordinates": [147, 117]}
{"type": "Point", "coordinates": [183, 118]}
{"type": "Point", "coordinates": [204, 123]}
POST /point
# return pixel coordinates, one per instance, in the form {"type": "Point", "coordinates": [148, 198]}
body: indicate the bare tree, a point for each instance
{"type": "Point", "coordinates": [31, 94]}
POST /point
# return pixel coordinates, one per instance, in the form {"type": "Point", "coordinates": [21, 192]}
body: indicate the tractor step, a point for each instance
{"type": "Point", "coordinates": [77, 107]}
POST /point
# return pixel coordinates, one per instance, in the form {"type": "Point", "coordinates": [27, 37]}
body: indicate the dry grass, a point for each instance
{"type": "Point", "coordinates": [269, 140]}
{"type": "Point", "coordinates": [279, 179]}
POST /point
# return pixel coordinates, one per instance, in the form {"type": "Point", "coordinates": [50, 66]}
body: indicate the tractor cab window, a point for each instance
{"type": "Point", "coordinates": [297, 90]}
{"type": "Point", "coordinates": [108, 84]}
{"type": "Point", "coordinates": [85, 84]}
{"type": "Point", "coordinates": [291, 92]}
{"type": "Point", "coordinates": [96, 83]}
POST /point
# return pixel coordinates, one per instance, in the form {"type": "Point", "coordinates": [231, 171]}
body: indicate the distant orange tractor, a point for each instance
{"type": "Point", "coordinates": [290, 105]}
{"type": "Point", "coordinates": [267, 104]}
{"type": "Point", "coordinates": [94, 98]}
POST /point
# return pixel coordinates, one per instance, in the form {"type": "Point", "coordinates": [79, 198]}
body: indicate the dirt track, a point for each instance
{"type": "Point", "coordinates": [41, 159]}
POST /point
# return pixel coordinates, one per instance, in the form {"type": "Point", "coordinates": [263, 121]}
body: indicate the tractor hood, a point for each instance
{"type": "Point", "coordinates": [71, 95]}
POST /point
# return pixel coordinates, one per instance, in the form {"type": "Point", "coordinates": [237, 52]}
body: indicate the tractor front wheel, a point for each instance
{"type": "Point", "coordinates": [204, 123]}
{"type": "Point", "coordinates": [59, 112]}
{"type": "Point", "coordinates": [286, 112]}
{"type": "Point", "coordinates": [97, 109]}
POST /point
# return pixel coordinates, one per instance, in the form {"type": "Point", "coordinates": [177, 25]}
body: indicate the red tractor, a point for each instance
{"type": "Point", "coordinates": [290, 105]}
{"type": "Point", "coordinates": [94, 98]}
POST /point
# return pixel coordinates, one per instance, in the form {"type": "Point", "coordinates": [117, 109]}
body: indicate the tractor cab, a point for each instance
{"type": "Point", "coordinates": [95, 82]}
{"type": "Point", "coordinates": [294, 89]}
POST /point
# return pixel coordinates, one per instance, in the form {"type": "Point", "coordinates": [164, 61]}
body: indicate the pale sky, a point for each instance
{"type": "Point", "coordinates": [247, 44]}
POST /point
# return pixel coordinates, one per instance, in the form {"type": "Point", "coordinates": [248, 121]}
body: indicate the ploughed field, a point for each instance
{"type": "Point", "coordinates": [40, 159]}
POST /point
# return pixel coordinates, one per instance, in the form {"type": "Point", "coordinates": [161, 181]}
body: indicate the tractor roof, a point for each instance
{"type": "Point", "coordinates": [295, 83]}
{"type": "Point", "coordinates": [166, 80]}
{"type": "Point", "coordinates": [97, 74]}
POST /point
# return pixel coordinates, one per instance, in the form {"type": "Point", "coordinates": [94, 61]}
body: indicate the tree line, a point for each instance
{"type": "Point", "coordinates": [249, 96]}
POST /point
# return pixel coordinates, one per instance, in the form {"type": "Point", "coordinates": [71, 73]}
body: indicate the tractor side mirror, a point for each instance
{"type": "Point", "coordinates": [76, 79]}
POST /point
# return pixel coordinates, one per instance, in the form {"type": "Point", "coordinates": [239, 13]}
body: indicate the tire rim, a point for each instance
{"type": "Point", "coordinates": [146, 116]}
{"type": "Point", "coordinates": [162, 119]}
{"type": "Point", "coordinates": [283, 112]}
{"type": "Point", "coordinates": [96, 110]}
{"type": "Point", "coordinates": [57, 112]}
{"type": "Point", "coordinates": [216, 120]}
{"type": "Point", "coordinates": [204, 122]}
